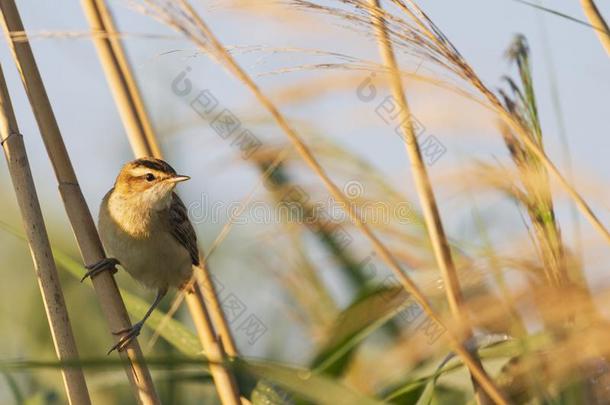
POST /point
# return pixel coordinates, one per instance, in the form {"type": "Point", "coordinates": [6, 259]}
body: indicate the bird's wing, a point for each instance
{"type": "Point", "coordinates": [182, 229]}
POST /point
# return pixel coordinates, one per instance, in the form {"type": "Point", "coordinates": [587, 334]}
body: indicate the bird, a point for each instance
{"type": "Point", "coordinates": [144, 228]}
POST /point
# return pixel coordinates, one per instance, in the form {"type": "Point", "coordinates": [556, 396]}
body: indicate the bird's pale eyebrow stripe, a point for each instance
{"type": "Point", "coordinates": [142, 171]}
{"type": "Point", "coordinates": [158, 165]}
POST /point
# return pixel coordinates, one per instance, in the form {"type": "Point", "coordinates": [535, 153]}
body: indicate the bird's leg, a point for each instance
{"type": "Point", "coordinates": [133, 331]}
{"type": "Point", "coordinates": [106, 263]}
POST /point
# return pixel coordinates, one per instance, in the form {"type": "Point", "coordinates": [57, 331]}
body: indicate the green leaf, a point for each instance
{"type": "Point", "coordinates": [426, 396]}
{"type": "Point", "coordinates": [444, 395]}
{"type": "Point", "coordinates": [173, 332]}
{"type": "Point", "coordinates": [409, 394]}
{"type": "Point", "coordinates": [354, 324]}
{"type": "Point", "coordinates": [306, 384]}
{"type": "Point", "coordinates": [267, 393]}
{"type": "Point", "coordinates": [14, 387]}
{"type": "Point", "coordinates": [427, 385]}
{"type": "Point", "coordinates": [46, 397]}
{"type": "Point", "coordinates": [477, 344]}
{"type": "Point", "coordinates": [301, 382]}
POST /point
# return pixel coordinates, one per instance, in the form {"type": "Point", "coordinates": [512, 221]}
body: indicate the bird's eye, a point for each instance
{"type": "Point", "coordinates": [150, 177]}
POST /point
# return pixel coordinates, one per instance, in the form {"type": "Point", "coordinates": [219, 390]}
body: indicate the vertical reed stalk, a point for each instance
{"type": "Point", "coordinates": [208, 290]}
{"type": "Point", "coordinates": [139, 130]}
{"type": "Point", "coordinates": [120, 79]}
{"type": "Point", "coordinates": [144, 143]}
{"type": "Point", "coordinates": [40, 248]}
{"type": "Point", "coordinates": [212, 346]}
{"type": "Point", "coordinates": [78, 213]}
{"type": "Point", "coordinates": [213, 44]}
{"type": "Point", "coordinates": [596, 20]}
{"type": "Point", "coordinates": [427, 199]}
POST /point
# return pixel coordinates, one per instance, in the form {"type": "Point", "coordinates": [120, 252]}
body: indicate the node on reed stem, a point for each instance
{"type": "Point", "coordinates": [74, 202]}
{"type": "Point", "coordinates": [40, 249]}
{"type": "Point", "coordinates": [144, 144]}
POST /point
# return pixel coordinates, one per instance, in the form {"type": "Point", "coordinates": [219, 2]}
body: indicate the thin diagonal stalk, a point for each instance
{"type": "Point", "coordinates": [139, 130]}
{"type": "Point", "coordinates": [75, 205]}
{"type": "Point", "coordinates": [141, 137]}
{"type": "Point", "coordinates": [431, 214]}
{"type": "Point", "coordinates": [596, 20]}
{"type": "Point", "coordinates": [225, 231]}
{"type": "Point", "coordinates": [40, 248]}
{"type": "Point", "coordinates": [144, 143]}
{"type": "Point", "coordinates": [227, 60]}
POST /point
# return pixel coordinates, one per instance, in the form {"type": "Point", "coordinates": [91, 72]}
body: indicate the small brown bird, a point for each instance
{"type": "Point", "coordinates": [145, 228]}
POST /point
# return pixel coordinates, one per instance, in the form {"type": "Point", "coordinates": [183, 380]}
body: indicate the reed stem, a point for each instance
{"type": "Point", "coordinates": [431, 214]}
{"type": "Point", "coordinates": [120, 79]}
{"type": "Point", "coordinates": [144, 144]}
{"type": "Point", "coordinates": [213, 44]}
{"type": "Point", "coordinates": [212, 346]}
{"type": "Point", "coordinates": [596, 20]}
{"type": "Point", "coordinates": [40, 249]}
{"type": "Point", "coordinates": [210, 294]}
{"type": "Point", "coordinates": [78, 213]}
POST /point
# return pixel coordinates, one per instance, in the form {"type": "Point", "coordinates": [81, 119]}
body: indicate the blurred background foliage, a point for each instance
{"type": "Point", "coordinates": [327, 304]}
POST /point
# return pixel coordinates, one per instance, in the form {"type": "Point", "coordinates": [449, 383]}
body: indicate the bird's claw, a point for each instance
{"type": "Point", "coordinates": [107, 263]}
{"type": "Point", "coordinates": [129, 335]}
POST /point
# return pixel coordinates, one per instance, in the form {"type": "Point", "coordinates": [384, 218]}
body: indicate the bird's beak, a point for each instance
{"type": "Point", "coordinates": [178, 179]}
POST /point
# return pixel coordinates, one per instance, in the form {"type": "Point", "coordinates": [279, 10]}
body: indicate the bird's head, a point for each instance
{"type": "Point", "coordinates": [149, 181]}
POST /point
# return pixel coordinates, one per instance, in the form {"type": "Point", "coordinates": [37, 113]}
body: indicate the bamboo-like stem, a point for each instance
{"type": "Point", "coordinates": [78, 213]}
{"type": "Point", "coordinates": [210, 294]}
{"type": "Point", "coordinates": [212, 346]}
{"type": "Point", "coordinates": [434, 225]}
{"type": "Point", "coordinates": [144, 143]}
{"type": "Point", "coordinates": [140, 132]}
{"type": "Point", "coordinates": [120, 79]}
{"type": "Point", "coordinates": [40, 248]}
{"type": "Point", "coordinates": [213, 44]}
{"type": "Point", "coordinates": [430, 211]}
{"type": "Point", "coordinates": [597, 21]}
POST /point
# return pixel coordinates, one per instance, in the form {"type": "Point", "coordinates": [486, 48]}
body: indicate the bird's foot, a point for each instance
{"type": "Point", "coordinates": [129, 334]}
{"type": "Point", "coordinates": [107, 263]}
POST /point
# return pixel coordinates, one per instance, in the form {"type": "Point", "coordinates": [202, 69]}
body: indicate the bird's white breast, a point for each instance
{"type": "Point", "coordinates": [142, 242]}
